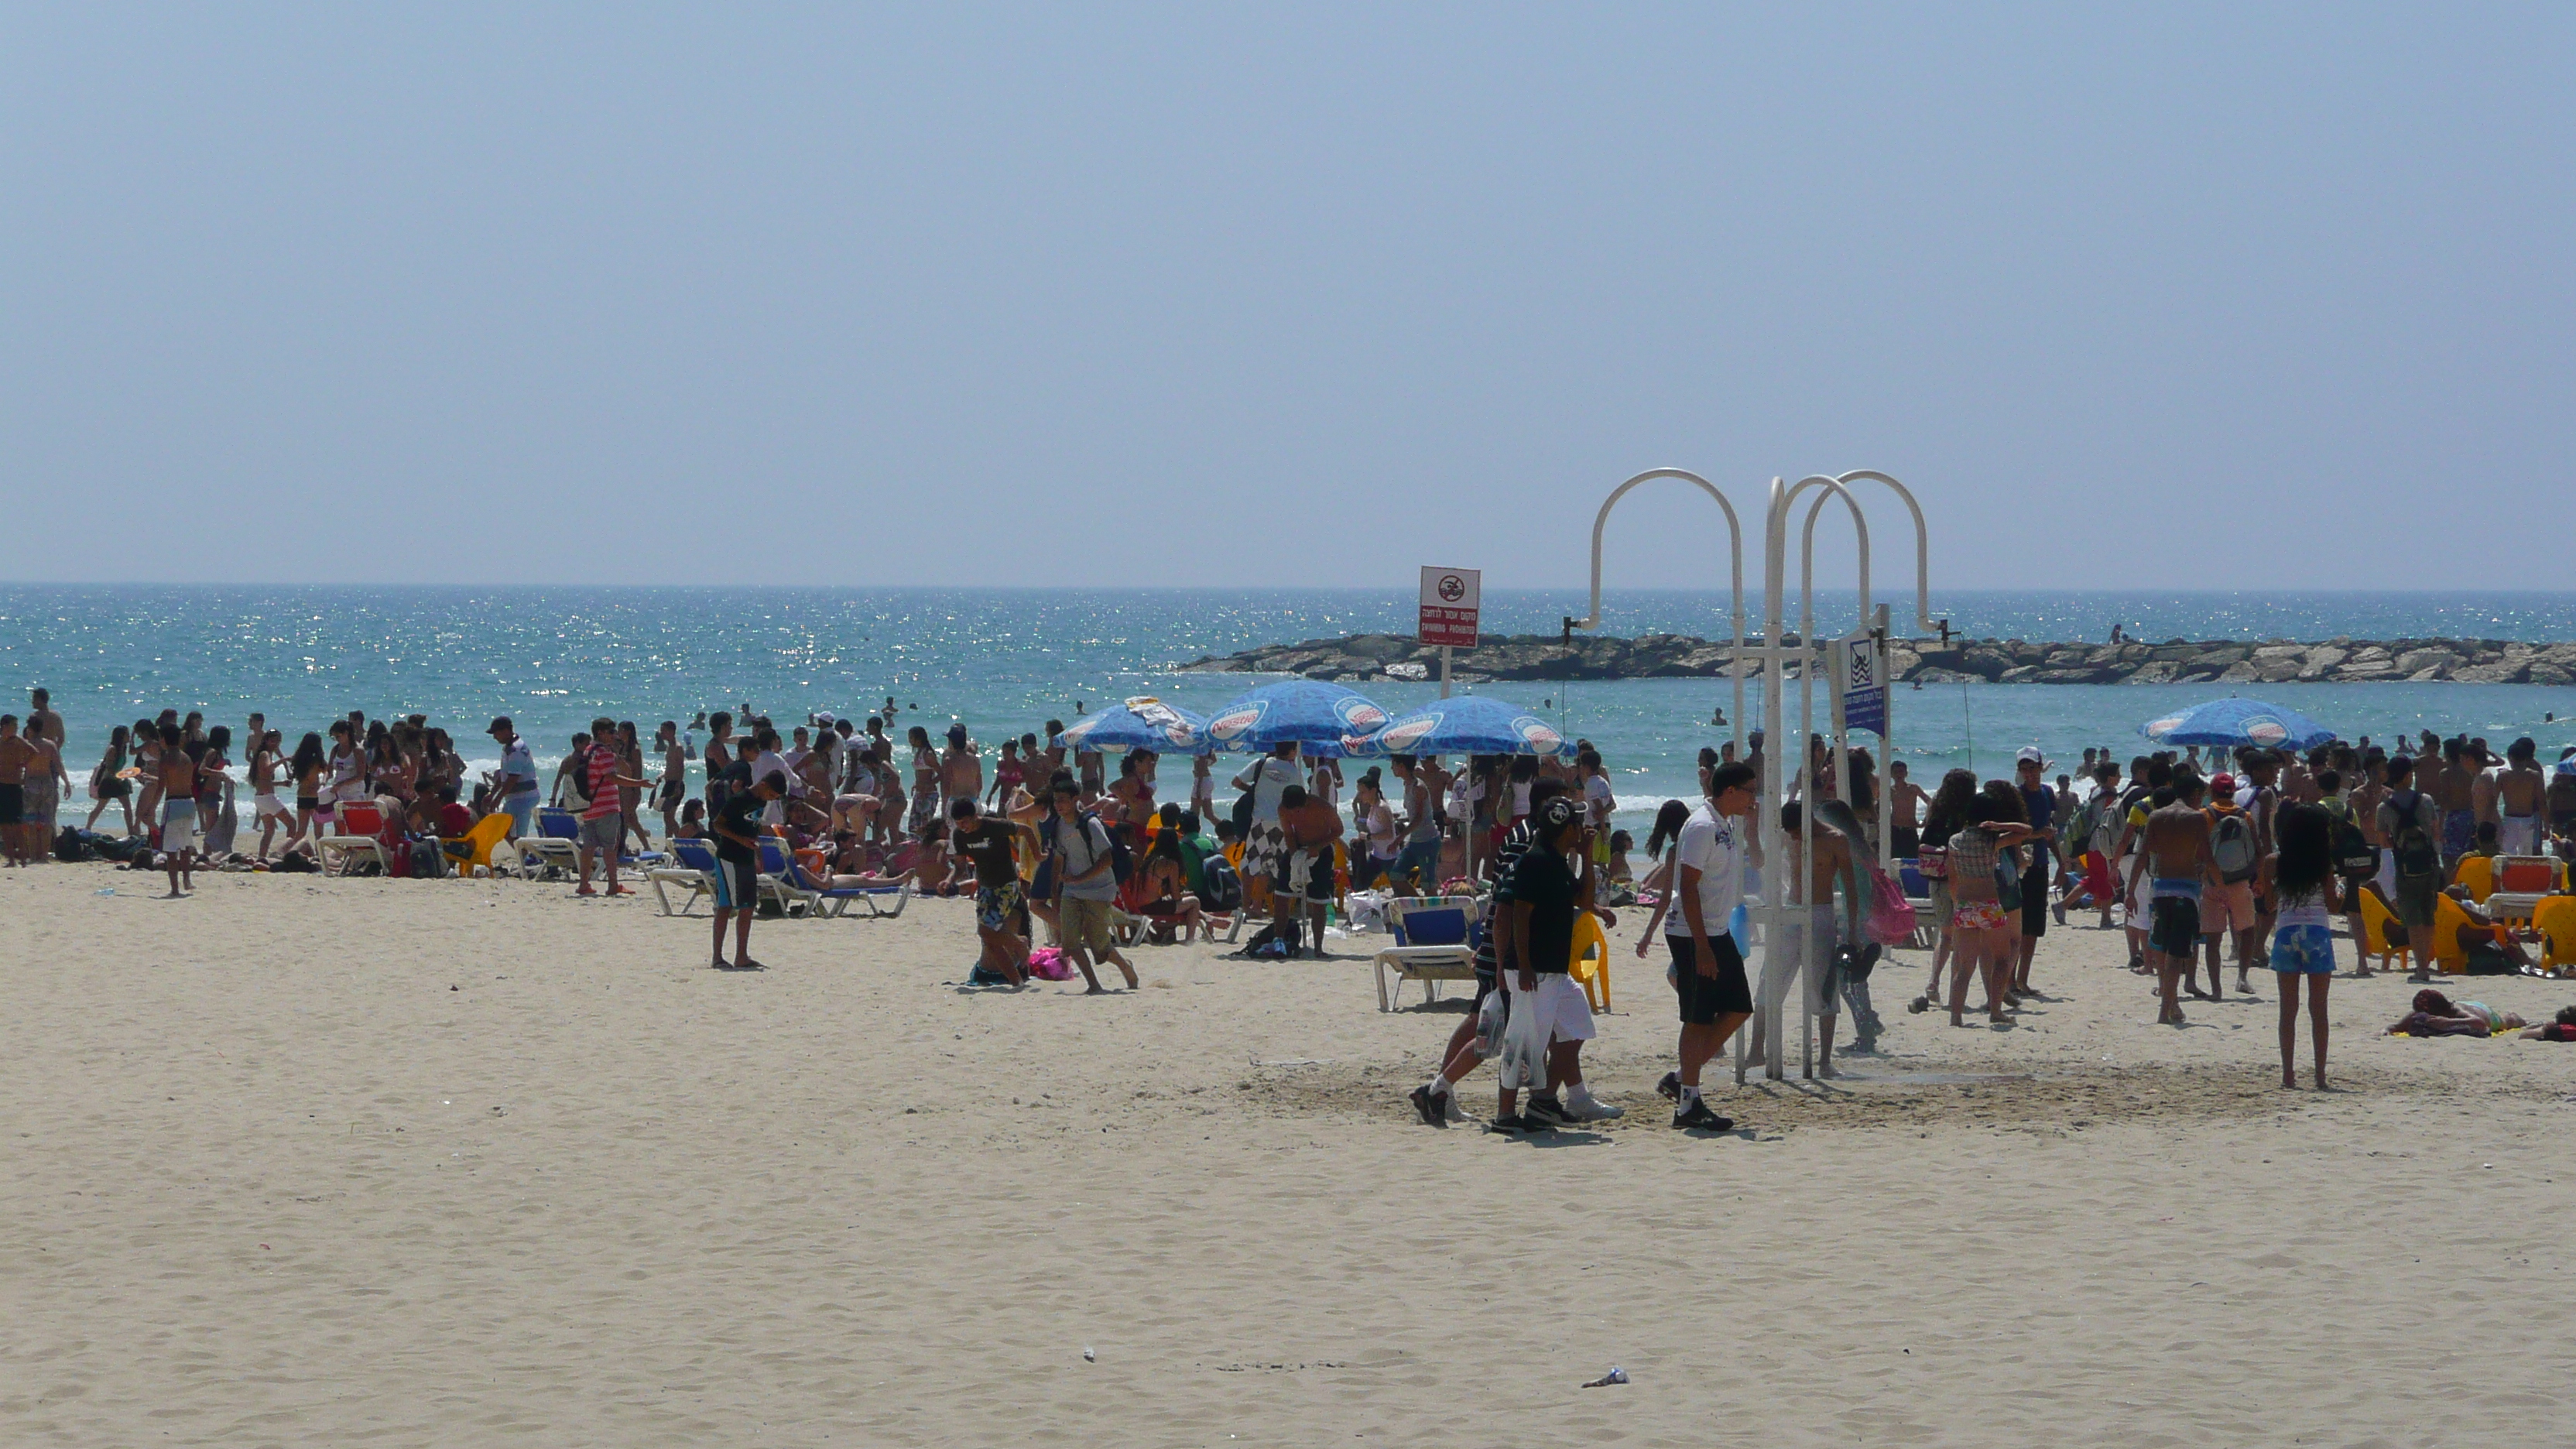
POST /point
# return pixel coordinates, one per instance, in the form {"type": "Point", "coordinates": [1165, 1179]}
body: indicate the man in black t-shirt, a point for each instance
{"type": "Point", "coordinates": [1550, 885]}
{"type": "Point", "coordinates": [737, 831]}
{"type": "Point", "coordinates": [992, 846]}
{"type": "Point", "coordinates": [1433, 1100]}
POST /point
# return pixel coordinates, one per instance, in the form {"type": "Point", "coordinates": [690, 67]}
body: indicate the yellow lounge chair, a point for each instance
{"type": "Point", "coordinates": [1591, 964]}
{"type": "Point", "coordinates": [2477, 872]}
{"type": "Point", "coordinates": [2375, 921]}
{"type": "Point", "coordinates": [2449, 956]}
{"type": "Point", "coordinates": [474, 847]}
{"type": "Point", "coordinates": [2555, 919]}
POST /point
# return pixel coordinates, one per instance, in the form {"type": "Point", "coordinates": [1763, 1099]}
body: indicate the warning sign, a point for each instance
{"type": "Point", "coordinates": [1449, 606]}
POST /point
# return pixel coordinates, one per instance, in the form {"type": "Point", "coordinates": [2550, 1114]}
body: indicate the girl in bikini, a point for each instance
{"type": "Point", "coordinates": [263, 789]}
{"type": "Point", "coordinates": [106, 784]}
{"type": "Point", "coordinates": [921, 824]}
{"type": "Point", "coordinates": [1983, 934]}
{"type": "Point", "coordinates": [308, 767]}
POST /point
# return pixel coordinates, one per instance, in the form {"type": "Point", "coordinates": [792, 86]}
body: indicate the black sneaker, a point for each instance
{"type": "Point", "coordinates": [1696, 1113]}
{"type": "Point", "coordinates": [1431, 1107]}
{"type": "Point", "coordinates": [1670, 1088]}
{"type": "Point", "coordinates": [1513, 1124]}
{"type": "Point", "coordinates": [1546, 1111]}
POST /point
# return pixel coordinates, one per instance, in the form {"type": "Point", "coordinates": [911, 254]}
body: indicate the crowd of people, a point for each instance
{"type": "Point", "coordinates": [2255, 851]}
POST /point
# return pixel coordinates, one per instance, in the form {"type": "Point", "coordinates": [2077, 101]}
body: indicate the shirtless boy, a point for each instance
{"type": "Point", "coordinates": [2177, 852]}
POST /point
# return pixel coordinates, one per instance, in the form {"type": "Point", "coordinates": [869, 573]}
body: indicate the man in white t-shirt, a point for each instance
{"type": "Point", "coordinates": [1264, 852]}
{"type": "Point", "coordinates": [1708, 963]}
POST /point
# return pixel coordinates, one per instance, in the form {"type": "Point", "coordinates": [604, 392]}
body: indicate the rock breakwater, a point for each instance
{"type": "Point", "coordinates": [1361, 658]}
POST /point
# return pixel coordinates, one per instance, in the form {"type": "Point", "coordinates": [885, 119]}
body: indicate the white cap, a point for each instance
{"type": "Point", "coordinates": [824, 718]}
{"type": "Point", "coordinates": [2031, 755]}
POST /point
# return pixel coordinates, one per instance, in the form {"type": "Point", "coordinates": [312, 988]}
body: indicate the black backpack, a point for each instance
{"type": "Point", "coordinates": [2353, 852]}
{"type": "Point", "coordinates": [428, 859]}
{"type": "Point", "coordinates": [1242, 816]}
{"type": "Point", "coordinates": [1277, 941]}
{"type": "Point", "coordinates": [2417, 856]}
{"type": "Point", "coordinates": [1223, 888]}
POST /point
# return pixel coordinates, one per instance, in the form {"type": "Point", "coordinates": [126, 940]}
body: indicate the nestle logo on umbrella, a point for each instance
{"type": "Point", "coordinates": [1235, 721]}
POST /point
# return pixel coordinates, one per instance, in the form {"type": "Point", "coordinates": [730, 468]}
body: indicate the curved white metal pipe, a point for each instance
{"type": "Point", "coordinates": [1735, 552]}
{"type": "Point", "coordinates": [1922, 543]}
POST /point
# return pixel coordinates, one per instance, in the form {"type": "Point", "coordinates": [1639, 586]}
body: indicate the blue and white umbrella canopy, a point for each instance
{"type": "Point", "coordinates": [1472, 724]}
{"type": "Point", "coordinates": [1142, 723]}
{"type": "Point", "coordinates": [2232, 722]}
{"type": "Point", "coordinates": [1315, 714]}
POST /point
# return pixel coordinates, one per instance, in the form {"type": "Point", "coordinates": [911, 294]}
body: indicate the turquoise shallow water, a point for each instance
{"type": "Point", "coordinates": [1006, 660]}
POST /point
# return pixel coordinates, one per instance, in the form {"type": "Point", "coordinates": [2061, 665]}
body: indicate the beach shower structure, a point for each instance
{"type": "Point", "coordinates": [1855, 665]}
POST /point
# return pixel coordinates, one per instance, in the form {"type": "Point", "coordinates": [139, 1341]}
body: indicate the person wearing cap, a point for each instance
{"type": "Point", "coordinates": [2039, 803]}
{"type": "Point", "coordinates": [516, 788]}
{"type": "Point", "coordinates": [1550, 883]}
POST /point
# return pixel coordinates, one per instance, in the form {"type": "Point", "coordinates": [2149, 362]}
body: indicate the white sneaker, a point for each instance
{"type": "Point", "coordinates": [1593, 1109]}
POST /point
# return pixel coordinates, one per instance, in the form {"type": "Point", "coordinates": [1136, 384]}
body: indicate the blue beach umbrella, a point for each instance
{"type": "Point", "coordinates": [1309, 711]}
{"type": "Point", "coordinates": [2232, 722]}
{"type": "Point", "coordinates": [1142, 723]}
{"type": "Point", "coordinates": [1472, 724]}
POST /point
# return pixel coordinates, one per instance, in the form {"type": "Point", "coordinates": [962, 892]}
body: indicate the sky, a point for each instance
{"type": "Point", "coordinates": [2139, 296]}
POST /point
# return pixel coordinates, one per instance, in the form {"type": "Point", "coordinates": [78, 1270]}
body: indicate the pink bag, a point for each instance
{"type": "Point", "coordinates": [1891, 914]}
{"type": "Point", "coordinates": [1047, 964]}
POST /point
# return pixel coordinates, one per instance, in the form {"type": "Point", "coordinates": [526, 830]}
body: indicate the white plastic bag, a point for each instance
{"type": "Point", "coordinates": [1489, 1024]}
{"type": "Point", "coordinates": [1523, 1063]}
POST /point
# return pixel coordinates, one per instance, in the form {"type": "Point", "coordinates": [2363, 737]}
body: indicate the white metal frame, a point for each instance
{"type": "Point", "coordinates": [1774, 656]}
{"type": "Point", "coordinates": [1779, 978]}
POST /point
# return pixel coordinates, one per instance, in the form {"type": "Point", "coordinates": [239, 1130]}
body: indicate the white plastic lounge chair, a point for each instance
{"type": "Point", "coordinates": [694, 875]}
{"type": "Point", "coordinates": [1434, 942]}
{"type": "Point", "coordinates": [356, 826]}
{"type": "Point", "coordinates": [555, 846]}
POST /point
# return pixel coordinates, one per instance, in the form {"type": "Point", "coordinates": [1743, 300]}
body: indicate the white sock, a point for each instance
{"type": "Point", "coordinates": [1580, 1094]}
{"type": "Point", "coordinates": [1690, 1094]}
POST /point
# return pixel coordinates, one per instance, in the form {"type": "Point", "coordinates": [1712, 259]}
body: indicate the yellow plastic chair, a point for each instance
{"type": "Point", "coordinates": [2555, 919]}
{"type": "Point", "coordinates": [474, 847]}
{"type": "Point", "coordinates": [2375, 921]}
{"type": "Point", "coordinates": [2477, 872]}
{"type": "Point", "coordinates": [1591, 964]}
{"type": "Point", "coordinates": [2449, 956]}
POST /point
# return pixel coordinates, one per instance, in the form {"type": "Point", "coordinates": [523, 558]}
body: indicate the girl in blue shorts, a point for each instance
{"type": "Point", "coordinates": [2303, 937]}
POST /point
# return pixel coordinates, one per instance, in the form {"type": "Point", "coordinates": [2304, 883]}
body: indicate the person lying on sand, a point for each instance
{"type": "Point", "coordinates": [2434, 1015]}
{"type": "Point", "coordinates": [2563, 1028]}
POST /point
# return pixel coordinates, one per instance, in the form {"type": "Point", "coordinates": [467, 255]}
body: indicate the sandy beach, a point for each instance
{"type": "Point", "coordinates": [308, 1161]}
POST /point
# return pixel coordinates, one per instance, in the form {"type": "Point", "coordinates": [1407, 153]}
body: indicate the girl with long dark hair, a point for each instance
{"type": "Point", "coordinates": [2303, 935]}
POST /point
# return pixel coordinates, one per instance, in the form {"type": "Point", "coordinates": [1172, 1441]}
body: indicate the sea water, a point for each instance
{"type": "Point", "coordinates": [1005, 661]}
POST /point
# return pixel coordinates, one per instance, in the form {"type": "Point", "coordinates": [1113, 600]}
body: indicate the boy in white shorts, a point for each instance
{"type": "Point", "coordinates": [1552, 882]}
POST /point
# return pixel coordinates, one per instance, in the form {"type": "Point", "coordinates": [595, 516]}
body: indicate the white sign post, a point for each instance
{"type": "Point", "coordinates": [1449, 606]}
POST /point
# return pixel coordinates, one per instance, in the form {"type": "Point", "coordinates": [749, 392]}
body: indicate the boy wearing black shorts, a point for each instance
{"type": "Point", "coordinates": [1708, 966]}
